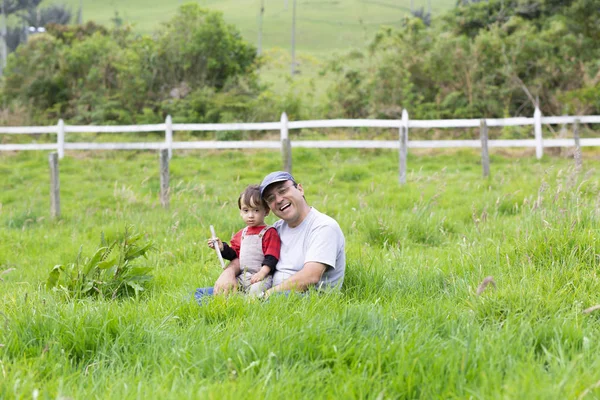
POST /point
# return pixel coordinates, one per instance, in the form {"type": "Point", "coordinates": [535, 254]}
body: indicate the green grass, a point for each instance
{"type": "Point", "coordinates": [321, 26]}
{"type": "Point", "coordinates": [407, 324]}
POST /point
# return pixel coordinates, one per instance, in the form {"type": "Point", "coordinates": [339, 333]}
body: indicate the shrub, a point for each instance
{"type": "Point", "coordinates": [110, 273]}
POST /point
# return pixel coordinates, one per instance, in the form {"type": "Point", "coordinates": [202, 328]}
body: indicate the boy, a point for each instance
{"type": "Point", "coordinates": [257, 245]}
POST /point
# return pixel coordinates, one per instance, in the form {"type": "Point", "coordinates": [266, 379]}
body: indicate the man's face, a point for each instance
{"type": "Point", "coordinates": [286, 200]}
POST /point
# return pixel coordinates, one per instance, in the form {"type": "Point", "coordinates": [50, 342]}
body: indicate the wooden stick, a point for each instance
{"type": "Point", "coordinates": [216, 244]}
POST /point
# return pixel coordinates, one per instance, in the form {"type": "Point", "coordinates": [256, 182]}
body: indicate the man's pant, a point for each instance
{"type": "Point", "coordinates": [202, 294]}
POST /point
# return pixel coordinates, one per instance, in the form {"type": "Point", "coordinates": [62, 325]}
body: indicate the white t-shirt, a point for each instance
{"type": "Point", "coordinates": [317, 239]}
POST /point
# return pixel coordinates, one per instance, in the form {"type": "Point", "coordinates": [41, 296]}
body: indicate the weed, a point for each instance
{"type": "Point", "coordinates": [111, 272]}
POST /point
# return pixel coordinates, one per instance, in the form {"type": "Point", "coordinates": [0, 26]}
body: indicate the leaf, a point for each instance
{"type": "Point", "coordinates": [107, 263]}
{"type": "Point", "coordinates": [136, 287]}
{"type": "Point", "coordinates": [54, 276]}
{"type": "Point", "coordinates": [89, 285]}
{"type": "Point", "coordinates": [111, 272]}
{"type": "Point", "coordinates": [134, 238]}
{"type": "Point", "coordinates": [78, 259]}
{"type": "Point", "coordinates": [138, 252]}
{"type": "Point", "coordinates": [95, 259]}
{"type": "Point", "coordinates": [138, 272]}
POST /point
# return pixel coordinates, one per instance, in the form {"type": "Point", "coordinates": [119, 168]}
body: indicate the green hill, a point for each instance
{"type": "Point", "coordinates": [321, 26]}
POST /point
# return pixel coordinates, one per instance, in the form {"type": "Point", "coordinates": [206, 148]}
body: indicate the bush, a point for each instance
{"type": "Point", "coordinates": [199, 48]}
{"type": "Point", "coordinates": [488, 59]}
{"type": "Point", "coordinates": [110, 273]}
{"type": "Point", "coordinates": [197, 68]}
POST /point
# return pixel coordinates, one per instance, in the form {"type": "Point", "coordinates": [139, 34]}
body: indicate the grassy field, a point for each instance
{"type": "Point", "coordinates": [408, 323]}
{"type": "Point", "coordinates": [322, 26]}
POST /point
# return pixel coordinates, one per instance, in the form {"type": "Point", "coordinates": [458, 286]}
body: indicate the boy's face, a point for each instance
{"type": "Point", "coordinates": [253, 215]}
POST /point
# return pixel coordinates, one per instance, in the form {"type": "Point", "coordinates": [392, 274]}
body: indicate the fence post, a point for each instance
{"type": "Point", "coordinates": [54, 186]}
{"type": "Point", "coordinates": [403, 147]}
{"type": "Point", "coordinates": [60, 138]}
{"type": "Point", "coordinates": [485, 155]}
{"type": "Point", "coordinates": [169, 135]}
{"type": "Point", "coordinates": [286, 146]}
{"type": "Point", "coordinates": [537, 122]}
{"type": "Point", "coordinates": [578, 155]}
{"type": "Point", "coordinates": [164, 177]}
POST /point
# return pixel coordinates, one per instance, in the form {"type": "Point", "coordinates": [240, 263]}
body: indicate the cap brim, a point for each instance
{"type": "Point", "coordinates": [262, 190]}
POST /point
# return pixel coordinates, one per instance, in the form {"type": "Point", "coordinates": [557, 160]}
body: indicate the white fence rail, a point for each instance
{"type": "Point", "coordinates": [285, 144]}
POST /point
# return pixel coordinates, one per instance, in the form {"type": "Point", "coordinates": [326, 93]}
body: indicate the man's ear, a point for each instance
{"type": "Point", "coordinates": [299, 187]}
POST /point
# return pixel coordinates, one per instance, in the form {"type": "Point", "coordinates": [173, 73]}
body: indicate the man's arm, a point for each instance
{"type": "Point", "coordinates": [227, 280]}
{"type": "Point", "coordinates": [309, 275]}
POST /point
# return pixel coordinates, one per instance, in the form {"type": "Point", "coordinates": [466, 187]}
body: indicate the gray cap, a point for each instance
{"type": "Point", "coordinates": [274, 177]}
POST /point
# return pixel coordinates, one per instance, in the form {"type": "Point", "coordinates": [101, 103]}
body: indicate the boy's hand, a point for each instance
{"type": "Point", "coordinates": [211, 243]}
{"type": "Point", "coordinates": [257, 277]}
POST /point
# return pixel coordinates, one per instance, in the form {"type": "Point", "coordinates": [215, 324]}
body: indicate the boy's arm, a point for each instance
{"type": "Point", "coordinates": [271, 262]}
{"type": "Point", "coordinates": [234, 245]}
{"type": "Point", "coordinates": [271, 244]}
{"type": "Point", "coordinates": [261, 274]}
{"type": "Point", "coordinates": [268, 267]}
{"type": "Point", "coordinates": [228, 253]}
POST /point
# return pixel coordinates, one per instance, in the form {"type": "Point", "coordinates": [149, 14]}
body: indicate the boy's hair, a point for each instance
{"type": "Point", "coordinates": [251, 197]}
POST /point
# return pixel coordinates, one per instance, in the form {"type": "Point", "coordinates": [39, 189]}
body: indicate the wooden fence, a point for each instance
{"type": "Point", "coordinates": [285, 144]}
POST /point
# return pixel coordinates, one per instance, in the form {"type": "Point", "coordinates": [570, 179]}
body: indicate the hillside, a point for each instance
{"type": "Point", "coordinates": [322, 26]}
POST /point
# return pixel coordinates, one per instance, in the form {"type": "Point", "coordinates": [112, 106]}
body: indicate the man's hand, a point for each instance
{"type": "Point", "coordinates": [227, 281]}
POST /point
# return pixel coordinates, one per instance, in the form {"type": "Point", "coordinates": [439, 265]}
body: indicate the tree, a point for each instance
{"type": "Point", "coordinates": [199, 48]}
{"type": "Point", "coordinates": [8, 7]}
{"type": "Point", "coordinates": [12, 6]}
{"type": "Point", "coordinates": [485, 60]}
{"type": "Point", "coordinates": [197, 68]}
{"type": "Point", "coordinates": [54, 14]}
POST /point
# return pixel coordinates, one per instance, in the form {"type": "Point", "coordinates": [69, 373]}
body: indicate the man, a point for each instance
{"type": "Point", "coordinates": [312, 243]}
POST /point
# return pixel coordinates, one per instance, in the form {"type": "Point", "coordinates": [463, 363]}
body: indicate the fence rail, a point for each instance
{"type": "Point", "coordinates": [285, 144]}
{"type": "Point", "coordinates": [327, 123]}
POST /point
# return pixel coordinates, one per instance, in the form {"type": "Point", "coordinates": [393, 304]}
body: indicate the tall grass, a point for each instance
{"type": "Point", "coordinates": [409, 322]}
